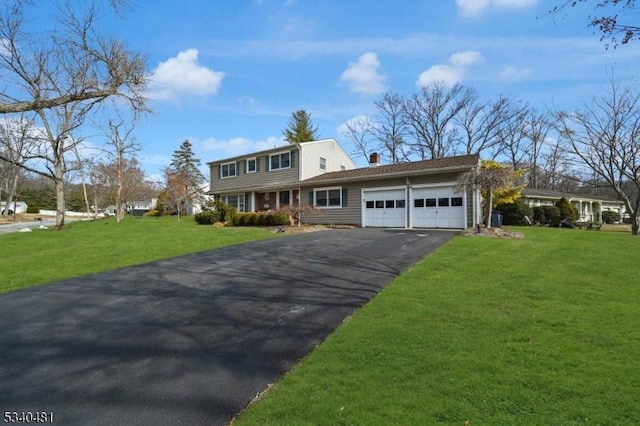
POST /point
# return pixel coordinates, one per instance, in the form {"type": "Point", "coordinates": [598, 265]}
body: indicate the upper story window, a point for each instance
{"type": "Point", "coordinates": [323, 163]}
{"type": "Point", "coordinates": [280, 161]}
{"type": "Point", "coordinates": [227, 170]}
{"type": "Point", "coordinates": [251, 165]}
{"type": "Point", "coordinates": [343, 168]}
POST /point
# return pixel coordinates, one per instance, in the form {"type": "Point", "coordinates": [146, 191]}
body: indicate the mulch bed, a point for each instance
{"type": "Point", "coordinates": [492, 233]}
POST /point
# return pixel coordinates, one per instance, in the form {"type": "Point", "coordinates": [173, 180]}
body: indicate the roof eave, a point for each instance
{"type": "Point", "coordinates": [383, 176]}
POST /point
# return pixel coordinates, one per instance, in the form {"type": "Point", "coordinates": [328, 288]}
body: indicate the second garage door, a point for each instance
{"type": "Point", "coordinates": [437, 207]}
{"type": "Point", "coordinates": [384, 208]}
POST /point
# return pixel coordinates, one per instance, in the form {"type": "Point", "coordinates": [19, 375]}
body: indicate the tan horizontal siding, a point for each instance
{"type": "Point", "coordinates": [262, 178]}
{"type": "Point", "coordinates": [349, 215]}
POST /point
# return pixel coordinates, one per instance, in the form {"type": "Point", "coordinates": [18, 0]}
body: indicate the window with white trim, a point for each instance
{"type": "Point", "coordinates": [327, 198]}
{"type": "Point", "coordinates": [235, 200]}
{"type": "Point", "coordinates": [251, 165]}
{"type": "Point", "coordinates": [227, 170]}
{"type": "Point", "coordinates": [280, 161]}
{"type": "Point", "coordinates": [323, 163]}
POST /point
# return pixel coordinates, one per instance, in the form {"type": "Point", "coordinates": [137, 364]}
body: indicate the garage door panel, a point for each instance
{"type": "Point", "coordinates": [438, 207]}
{"type": "Point", "coordinates": [385, 208]}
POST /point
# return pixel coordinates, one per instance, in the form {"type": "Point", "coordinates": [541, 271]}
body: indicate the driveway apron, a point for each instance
{"type": "Point", "coordinates": [190, 340]}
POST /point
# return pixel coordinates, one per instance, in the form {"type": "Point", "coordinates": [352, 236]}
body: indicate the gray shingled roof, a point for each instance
{"type": "Point", "coordinates": [543, 193]}
{"type": "Point", "coordinates": [439, 165]}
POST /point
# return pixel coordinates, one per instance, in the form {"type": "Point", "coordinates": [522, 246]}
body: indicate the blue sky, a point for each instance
{"type": "Point", "coordinates": [228, 74]}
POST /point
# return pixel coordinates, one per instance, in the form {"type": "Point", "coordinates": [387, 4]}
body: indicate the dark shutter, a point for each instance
{"type": "Point", "coordinates": [344, 197]}
{"type": "Point", "coordinates": [219, 171]}
{"type": "Point", "coordinates": [239, 167]}
{"type": "Point", "coordinates": [258, 165]}
{"type": "Point", "coordinates": [311, 198]}
{"type": "Point", "coordinates": [266, 164]}
{"type": "Point", "coordinates": [293, 156]}
{"type": "Point", "coordinates": [247, 207]}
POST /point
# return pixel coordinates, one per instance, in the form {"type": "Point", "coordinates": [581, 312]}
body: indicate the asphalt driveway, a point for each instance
{"type": "Point", "coordinates": [190, 340]}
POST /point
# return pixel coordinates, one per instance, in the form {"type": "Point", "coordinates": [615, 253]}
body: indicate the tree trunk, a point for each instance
{"type": "Point", "coordinates": [60, 204]}
{"type": "Point", "coordinates": [59, 183]}
{"type": "Point", "coordinates": [635, 223]}
{"type": "Point", "coordinates": [10, 196]}
{"type": "Point", "coordinates": [86, 198]}
{"type": "Point", "coordinates": [488, 207]}
{"type": "Point", "coordinates": [120, 177]}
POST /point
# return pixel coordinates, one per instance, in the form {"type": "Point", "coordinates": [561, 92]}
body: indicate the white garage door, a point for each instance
{"type": "Point", "coordinates": [439, 207]}
{"type": "Point", "coordinates": [384, 208]}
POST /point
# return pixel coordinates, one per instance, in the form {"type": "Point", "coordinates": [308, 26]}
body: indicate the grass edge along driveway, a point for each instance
{"type": "Point", "coordinates": [543, 330]}
{"type": "Point", "coordinates": [89, 247]}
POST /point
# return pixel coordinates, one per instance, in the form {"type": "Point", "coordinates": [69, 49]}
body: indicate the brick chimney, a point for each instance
{"type": "Point", "coordinates": [374, 160]}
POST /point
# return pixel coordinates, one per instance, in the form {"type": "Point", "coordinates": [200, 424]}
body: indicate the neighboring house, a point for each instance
{"type": "Point", "coordinates": [419, 194]}
{"type": "Point", "coordinates": [140, 208]}
{"type": "Point", "coordinates": [269, 179]}
{"type": "Point", "coordinates": [589, 207]}
{"type": "Point", "coordinates": [203, 198]}
{"type": "Point", "coordinates": [18, 206]}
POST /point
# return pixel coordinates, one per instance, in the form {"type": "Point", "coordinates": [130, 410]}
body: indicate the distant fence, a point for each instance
{"type": "Point", "coordinates": [67, 213]}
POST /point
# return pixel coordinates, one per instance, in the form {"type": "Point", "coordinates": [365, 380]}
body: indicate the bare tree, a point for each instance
{"type": "Point", "coordinates": [483, 126]}
{"type": "Point", "coordinates": [605, 135]}
{"type": "Point", "coordinates": [513, 137]}
{"type": "Point", "coordinates": [122, 146]}
{"type": "Point", "coordinates": [614, 28]}
{"type": "Point", "coordinates": [64, 74]}
{"type": "Point", "coordinates": [360, 130]}
{"type": "Point", "coordinates": [537, 126]}
{"type": "Point", "coordinates": [430, 115]}
{"type": "Point", "coordinates": [17, 144]}
{"type": "Point", "coordinates": [69, 63]}
{"type": "Point", "coordinates": [390, 128]}
{"type": "Point", "coordinates": [119, 180]}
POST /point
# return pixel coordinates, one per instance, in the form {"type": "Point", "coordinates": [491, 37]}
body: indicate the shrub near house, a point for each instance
{"type": "Point", "coordinates": [515, 213]}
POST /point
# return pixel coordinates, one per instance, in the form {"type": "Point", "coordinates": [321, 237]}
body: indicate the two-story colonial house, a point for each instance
{"type": "Point", "coordinates": [319, 174]}
{"type": "Point", "coordinates": [267, 180]}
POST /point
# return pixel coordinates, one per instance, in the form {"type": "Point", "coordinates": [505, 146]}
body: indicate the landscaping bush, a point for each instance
{"type": "Point", "coordinates": [547, 215]}
{"type": "Point", "coordinates": [34, 209]}
{"type": "Point", "coordinates": [567, 211]}
{"type": "Point", "coordinates": [260, 219]}
{"type": "Point", "coordinates": [226, 212]}
{"type": "Point", "coordinates": [154, 213]}
{"type": "Point", "coordinates": [514, 213]}
{"type": "Point", "coordinates": [278, 219]}
{"type": "Point", "coordinates": [610, 217]}
{"type": "Point", "coordinates": [207, 217]}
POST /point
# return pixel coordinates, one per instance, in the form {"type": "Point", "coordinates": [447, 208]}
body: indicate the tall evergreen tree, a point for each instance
{"type": "Point", "coordinates": [300, 129]}
{"type": "Point", "coordinates": [184, 178]}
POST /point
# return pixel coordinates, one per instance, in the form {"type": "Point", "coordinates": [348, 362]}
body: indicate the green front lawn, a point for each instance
{"type": "Point", "coordinates": [539, 331]}
{"type": "Point", "coordinates": [83, 248]}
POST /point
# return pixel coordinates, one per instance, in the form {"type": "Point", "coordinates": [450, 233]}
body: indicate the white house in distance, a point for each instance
{"type": "Point", "coordinates": [589, 207]}
{"type": "Point", "coordinates": [18, 206]}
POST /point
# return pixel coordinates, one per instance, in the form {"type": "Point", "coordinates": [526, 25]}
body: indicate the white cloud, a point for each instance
{"type": "Point", "coordinates": [512, 73]}
{"type": "Point", "coordinates": [452, 72]}
{"type": "Point", "coordinates": [363, 77]}
{"type": "Point", "coordinates": [473, 8]}
{"type": "Point", "coordinates": [184, 76]}
{"type": "Point", "coordinates": [515, 3]}
{"type": "Point", "coordinates": [466, 58]}
{"type": "Point", "coordinates": [358, 122]}
{"type": "Point", "coordinates": [246, 100]}
{"type": "Point", "coordinates": [239, 146]}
